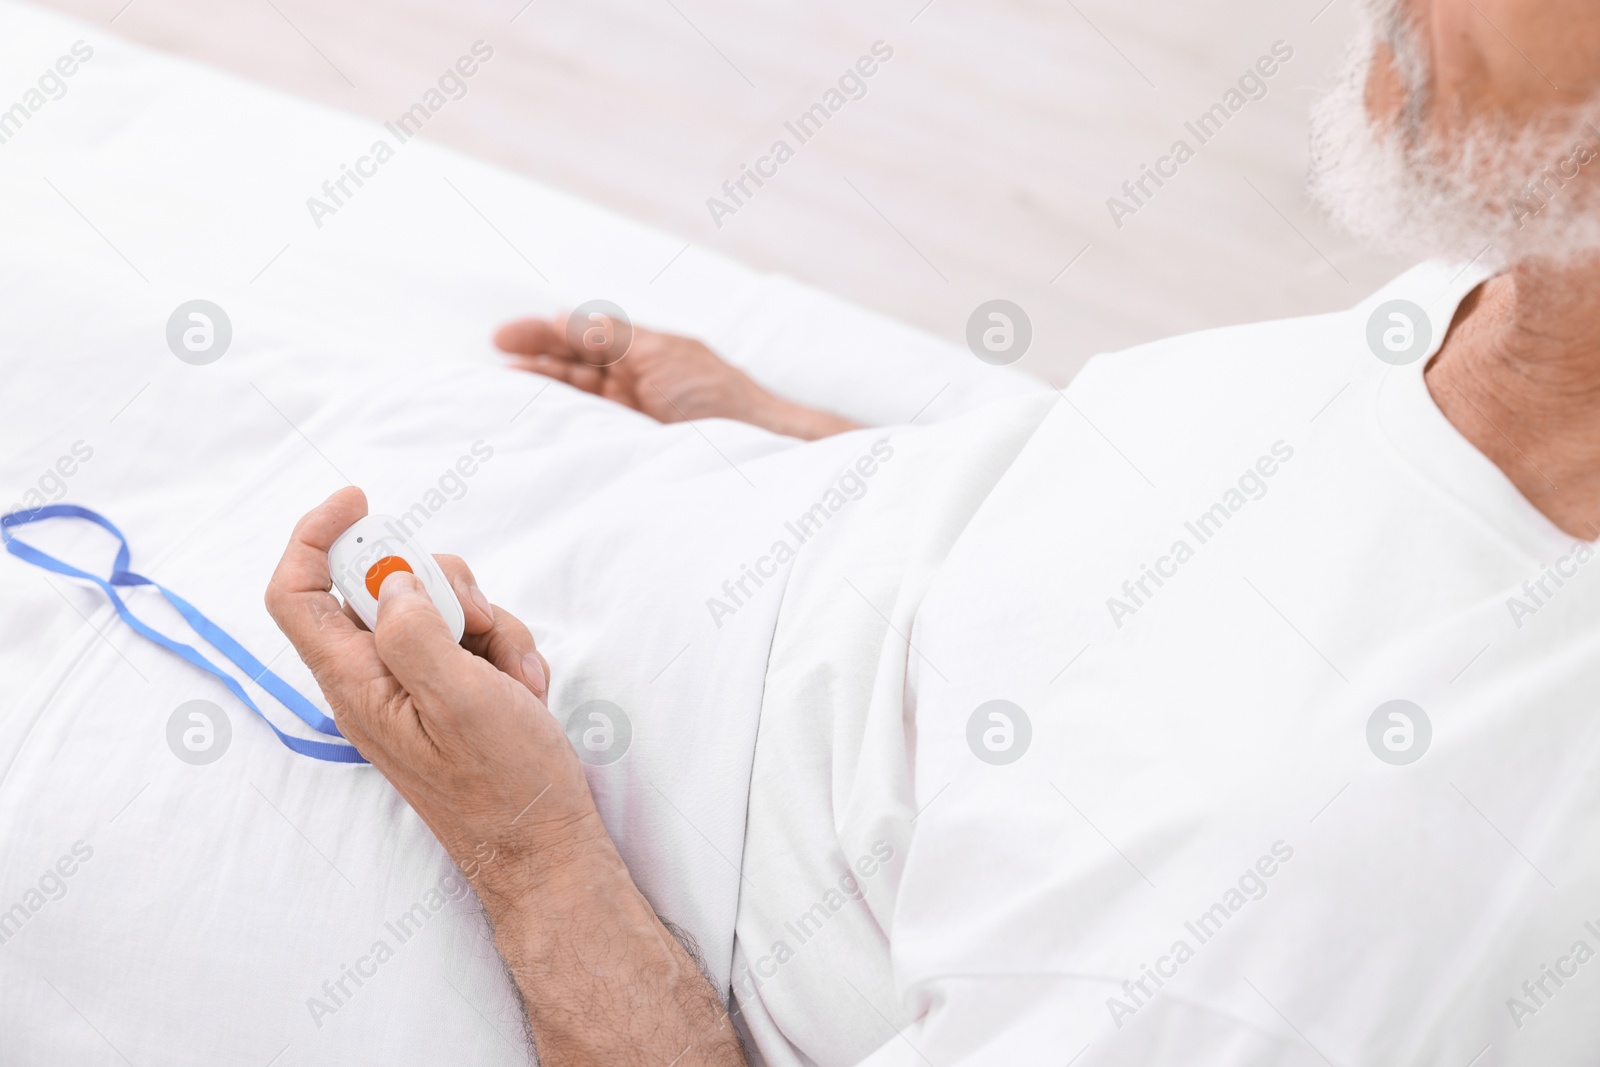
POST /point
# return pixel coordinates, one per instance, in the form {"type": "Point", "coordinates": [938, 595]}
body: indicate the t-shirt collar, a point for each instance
{"type": "Point", "coordinates": [1422, 435]}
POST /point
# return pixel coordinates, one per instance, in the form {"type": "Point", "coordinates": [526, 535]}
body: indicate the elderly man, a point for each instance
{"type": "Point", "coordinates": [1233, 708]}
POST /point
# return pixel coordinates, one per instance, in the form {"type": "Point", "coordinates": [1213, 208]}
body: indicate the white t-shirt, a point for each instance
{"type": "Point", "coordinates": [1205, 577]}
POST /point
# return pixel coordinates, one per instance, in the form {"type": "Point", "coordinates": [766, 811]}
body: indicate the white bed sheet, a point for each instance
{"type": "Point", "coordinates": [219, 899]}
{"type": "Point", "coordinates": [160, 181]}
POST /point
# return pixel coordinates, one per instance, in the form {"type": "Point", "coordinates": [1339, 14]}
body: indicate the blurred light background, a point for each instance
{"type": "Point", "coordinates": [977, 165]}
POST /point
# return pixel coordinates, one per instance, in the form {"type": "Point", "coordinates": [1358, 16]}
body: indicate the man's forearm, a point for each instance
{"type": "Point", "coordinates": [601, 978]}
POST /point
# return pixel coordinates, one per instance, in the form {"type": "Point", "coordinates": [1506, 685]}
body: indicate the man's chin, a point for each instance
{"type": "Point", "coordinates": [1417, 226]}
{"type": "Point", "coordinates": [1478, 203]}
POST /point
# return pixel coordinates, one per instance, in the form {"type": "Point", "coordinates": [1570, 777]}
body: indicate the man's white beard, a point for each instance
{"type": "Point", "coordinates": [1504, 194]}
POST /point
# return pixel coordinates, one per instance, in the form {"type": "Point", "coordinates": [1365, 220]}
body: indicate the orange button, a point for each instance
{"type": "Point", "coordinates": [382, 569]}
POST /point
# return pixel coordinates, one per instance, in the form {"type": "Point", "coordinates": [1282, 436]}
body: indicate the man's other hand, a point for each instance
{"type": "Point", "coordinates": [669, 378]}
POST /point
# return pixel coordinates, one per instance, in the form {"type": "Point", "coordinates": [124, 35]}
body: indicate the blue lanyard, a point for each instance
{"type": "Point", "coordinates": [285, 693]}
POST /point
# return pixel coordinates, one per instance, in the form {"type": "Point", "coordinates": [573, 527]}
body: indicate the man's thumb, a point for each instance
{"type": "Point", "coordinates": [412, 638]}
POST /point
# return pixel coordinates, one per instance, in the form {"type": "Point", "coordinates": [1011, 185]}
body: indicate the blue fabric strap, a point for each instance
{"type": "Point", "coordinates": [257, 671]}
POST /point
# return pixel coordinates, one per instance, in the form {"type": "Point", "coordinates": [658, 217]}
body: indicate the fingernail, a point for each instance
{"type": "Point", "coordinates": [533, 672]}
{"type": "Point", "coordinates": [476, 596]}
{"type": "Point", "coordinates": [400, 583]}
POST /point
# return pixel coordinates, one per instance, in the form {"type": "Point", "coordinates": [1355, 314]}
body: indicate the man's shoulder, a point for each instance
{"type": "Point", "coordinates": [1245, 377]}
{"type": "Point", "coordinates": [1280, 352]}
{"type": "Point", "coordinates": [1208, 394]}
{"type": "Point", "coordinates": [1224, 362]}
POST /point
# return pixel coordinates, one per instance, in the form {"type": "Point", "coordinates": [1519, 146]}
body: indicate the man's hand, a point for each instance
{"type": "Point", "coordinates": [462, 732]}
{"type": "Point", "coordinates": [671, 379]}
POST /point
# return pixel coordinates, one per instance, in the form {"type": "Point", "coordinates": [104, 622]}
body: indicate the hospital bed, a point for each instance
{"type": "Point", "coordinates": [158, 910]}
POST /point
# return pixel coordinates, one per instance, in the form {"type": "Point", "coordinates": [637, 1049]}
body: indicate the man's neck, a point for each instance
{"type": "Point", "coordinates": [1519, 377]}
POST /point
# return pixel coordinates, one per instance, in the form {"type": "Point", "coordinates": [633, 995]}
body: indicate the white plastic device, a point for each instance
{"type": "Point", "coordinates": [376, 547]}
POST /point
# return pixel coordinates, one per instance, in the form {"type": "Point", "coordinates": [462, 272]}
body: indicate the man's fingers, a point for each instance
{"type": "Point", "coordinates": [598, 340]}
{"type": "Point", "coordinates": [508, 645]}
{"type": "Point", "coordinates": [494, 633]}
{"type": "Point", "coordinates": [480, 616]}
{"type": "Point", "coordinates": [532, 337]}
{"type": "Point", "coordinates": [573, 371]}
{"type": "Point", "coordinates": [298, 596]}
